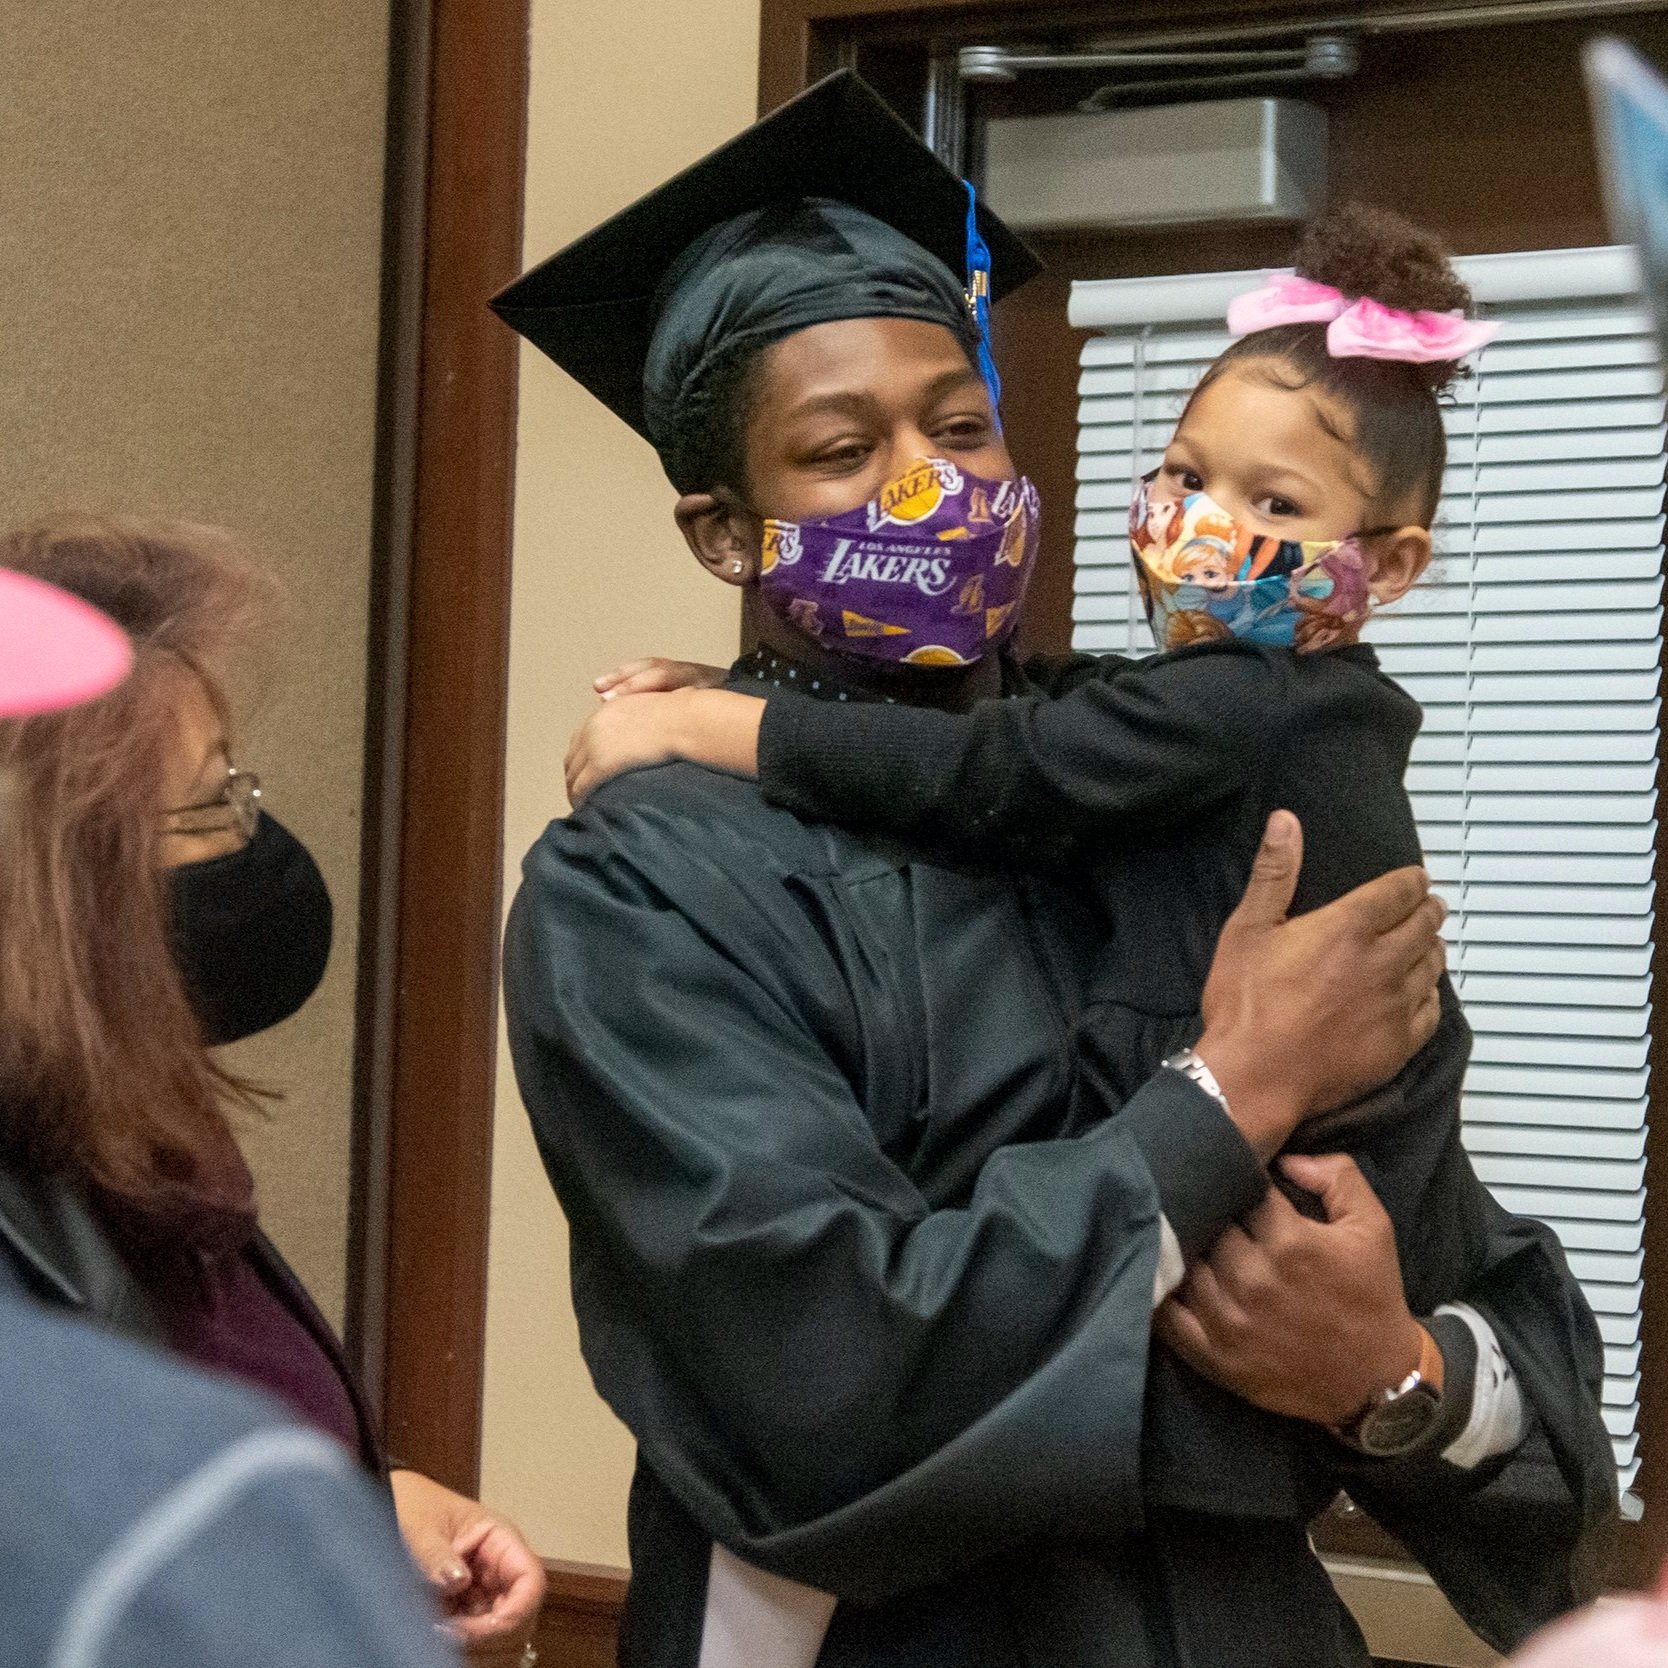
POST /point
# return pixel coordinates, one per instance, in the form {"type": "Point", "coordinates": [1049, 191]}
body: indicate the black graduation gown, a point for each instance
{"type": "Point", "coordinates": [874, 1304]}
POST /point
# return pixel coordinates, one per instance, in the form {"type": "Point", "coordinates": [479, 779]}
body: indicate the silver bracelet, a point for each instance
{"type": "Point", "coordinates": [1188, 1063]}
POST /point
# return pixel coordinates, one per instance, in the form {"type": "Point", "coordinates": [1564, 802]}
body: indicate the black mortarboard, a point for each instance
{"type": "Point", "coordinates": [829, 208]}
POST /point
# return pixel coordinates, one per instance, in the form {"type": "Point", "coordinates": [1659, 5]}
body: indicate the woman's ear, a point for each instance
{"type": "Point", "coordinates": [724, 535]}
{"type": "Point", "coordinates": [1399, 559]}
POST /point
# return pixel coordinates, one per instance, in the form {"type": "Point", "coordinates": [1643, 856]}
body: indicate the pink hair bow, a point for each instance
{"type": "Point", "coordinates": [1360, 329]}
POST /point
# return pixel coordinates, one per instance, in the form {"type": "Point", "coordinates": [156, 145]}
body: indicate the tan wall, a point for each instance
{"type": "Point", "coordinates": [621, 98]}
{"type": "Point", "coordinates": [191, 203]}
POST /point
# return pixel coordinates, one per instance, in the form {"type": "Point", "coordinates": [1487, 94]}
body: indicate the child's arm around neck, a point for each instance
{"type": "Point", "coordinates": [1127, 751]}
{"type": "Point", "coordinates": [1130, 748]}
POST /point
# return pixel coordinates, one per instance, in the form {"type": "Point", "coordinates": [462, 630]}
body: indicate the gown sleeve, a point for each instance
{"type": "Point", "coordinates": [1125, 748]}
{"type": "Point", "coordinates": [839, 1382]}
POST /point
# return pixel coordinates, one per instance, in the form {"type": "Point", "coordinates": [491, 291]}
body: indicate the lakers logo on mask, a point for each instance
{"type": "Point", "coordinates": [781, 545]}
{"type": "Point", "coordinates": [916, 493]}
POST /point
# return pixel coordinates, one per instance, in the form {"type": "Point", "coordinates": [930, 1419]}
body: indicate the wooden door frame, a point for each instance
{"type": "Point", "coordinates": [427, 1044]}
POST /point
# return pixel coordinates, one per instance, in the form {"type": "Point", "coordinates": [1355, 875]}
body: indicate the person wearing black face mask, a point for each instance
{"type": "Point", "coordinates": [251, 925]}
{"type": "Point", "coordinates": [152, 908]}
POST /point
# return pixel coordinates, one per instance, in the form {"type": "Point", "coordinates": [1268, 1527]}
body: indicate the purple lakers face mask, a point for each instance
{"type": "Point", "coordinates": [930, 573]}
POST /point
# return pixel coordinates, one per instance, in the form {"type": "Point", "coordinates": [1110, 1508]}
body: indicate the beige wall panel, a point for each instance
{"type": "Point", "coordinates": [191, 197]}
{"type": "Point", "coordinates": [621, 98]}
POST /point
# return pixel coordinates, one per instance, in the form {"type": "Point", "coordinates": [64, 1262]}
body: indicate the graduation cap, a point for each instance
{"type": "Point", "coordinates": [829, 208]}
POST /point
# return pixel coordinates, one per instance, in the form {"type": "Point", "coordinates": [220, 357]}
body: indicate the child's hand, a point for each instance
{"type": "Point", "coordinates": [714, 727]}
{"type": "Point", "coordinates": [656, 676]}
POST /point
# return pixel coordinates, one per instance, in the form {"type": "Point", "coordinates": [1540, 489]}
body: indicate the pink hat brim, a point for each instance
{"type": "Point", "coordinates": [55, 650]}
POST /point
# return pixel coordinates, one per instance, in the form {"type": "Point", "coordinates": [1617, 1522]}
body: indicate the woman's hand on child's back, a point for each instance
{"type": "Point", "coordinates": [715, 727]}
{"type": "Point", "coordinates": [657, 676]}
{"type": "Point", "coordinates": [1306, 1013]}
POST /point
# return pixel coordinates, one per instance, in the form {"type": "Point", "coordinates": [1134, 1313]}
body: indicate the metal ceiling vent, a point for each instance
{"type": "Point", "coordinates": [1193, 69]}
{"type": "Point", "coordinates": [1163, 165]}
{"type": "Point", "coordinates": [1133, 155]}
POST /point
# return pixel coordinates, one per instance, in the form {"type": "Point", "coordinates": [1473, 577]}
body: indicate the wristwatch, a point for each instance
{"type": "Point", "coordinates": [1195, 1070]}
{"type": "Point", "coordinates": [1397, 1420]}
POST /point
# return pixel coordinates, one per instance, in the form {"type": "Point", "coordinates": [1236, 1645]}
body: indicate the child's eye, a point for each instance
{"type": "Point", "coordinates": [1189, 480]}
{"type": "Point", "coordinates": [1275, 506]}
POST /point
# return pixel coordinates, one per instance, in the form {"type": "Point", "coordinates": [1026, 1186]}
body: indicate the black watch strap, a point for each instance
{"type": "Point", "coordinates": [1453, 1409]}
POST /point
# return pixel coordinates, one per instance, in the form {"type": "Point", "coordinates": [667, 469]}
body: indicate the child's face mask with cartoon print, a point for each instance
{"type": "Point", "coordinates": [1204, 575]}
{"type": "Point", "coordinates": [930, 573]}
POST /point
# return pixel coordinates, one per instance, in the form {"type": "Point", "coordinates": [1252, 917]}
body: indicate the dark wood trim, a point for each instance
{"type": "Point", "coordinates": [580, 1623]}
{"type": "Point", "coordinates": [592, 1589]}
{"type": "Point", "coordinates": [405, 184]}
{"type": "Point", "coordinates": [440, 981]}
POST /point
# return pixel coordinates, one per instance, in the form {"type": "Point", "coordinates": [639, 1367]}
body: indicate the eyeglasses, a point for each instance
{"type": "Point", "coordinates": [237, 805]}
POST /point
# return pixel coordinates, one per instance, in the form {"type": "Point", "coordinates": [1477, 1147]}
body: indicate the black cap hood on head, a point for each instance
{"type": "Point", "coordinates": [830, 208]}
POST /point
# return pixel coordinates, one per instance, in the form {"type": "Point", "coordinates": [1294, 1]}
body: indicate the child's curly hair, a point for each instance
{"type": "Point", "coordinates": [1395, 418]}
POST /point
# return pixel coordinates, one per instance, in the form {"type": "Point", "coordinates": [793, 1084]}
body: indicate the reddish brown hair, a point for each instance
{"type": "Point", "coordinates": [103, 1074]}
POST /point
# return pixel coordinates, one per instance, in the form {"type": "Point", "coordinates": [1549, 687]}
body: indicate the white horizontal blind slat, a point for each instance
{"type": "Point", "coordinates": [1534, 646]}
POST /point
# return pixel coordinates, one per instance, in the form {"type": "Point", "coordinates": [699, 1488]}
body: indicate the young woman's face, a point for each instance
{"type": "Point", "coordinates": [1265, 455]}
{"type": "Point", "coordinates": [841, 409]}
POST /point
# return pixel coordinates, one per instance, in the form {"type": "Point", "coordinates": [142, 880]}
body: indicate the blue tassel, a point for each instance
{"type": "Point", "coordinates": [978, 300]}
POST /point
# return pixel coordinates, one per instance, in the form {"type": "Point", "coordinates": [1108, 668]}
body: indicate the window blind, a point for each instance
{"type": "Point", "coordinates": [1534, 646]}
